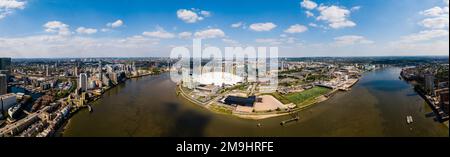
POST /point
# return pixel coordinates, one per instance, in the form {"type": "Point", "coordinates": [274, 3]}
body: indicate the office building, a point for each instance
{"type": "Point", "coordinates": [5, 64]}
{"type": "Point", "coordinates": [429, 83]}
{"type": "Point", "coordinates": [83, 82]}
{"type": "Point", "coordinates": [3, 84]}
{"type": "Point", "coordinates": [7, 101]}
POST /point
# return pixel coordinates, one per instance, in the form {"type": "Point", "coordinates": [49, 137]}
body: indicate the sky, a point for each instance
{"type": "Point", "coordinates": [151, 28]}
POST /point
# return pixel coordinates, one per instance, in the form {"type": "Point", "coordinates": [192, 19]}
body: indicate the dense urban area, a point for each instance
{"type": "Point", "coordinates": [38, 96]}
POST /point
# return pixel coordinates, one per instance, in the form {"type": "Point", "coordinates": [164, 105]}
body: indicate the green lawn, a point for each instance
{"type": "Point", "coordinates": [307, 95]}
{"type": "Point", "coordinates": [221, 109]}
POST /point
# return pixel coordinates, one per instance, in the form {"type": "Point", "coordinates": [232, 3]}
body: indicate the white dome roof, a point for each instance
{"type": "Point", "coordinates": [218, 78]}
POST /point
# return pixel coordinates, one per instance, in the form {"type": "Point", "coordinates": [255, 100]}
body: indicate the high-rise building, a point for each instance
{"type": "Point", "coordinates": [429, 83]}
{"type": "Point", "coordinates": [75, 71]}
{"type": "Point", "coordinates": [5, 65]}
{"type": "Point", "coordinates": [7, 101]}
{"type": "Point", "coordinates": [46, 71]}
{"type": "Point", "coordinates": [83, 82]}
{"type": "Point", "coordinates": [3, 84]}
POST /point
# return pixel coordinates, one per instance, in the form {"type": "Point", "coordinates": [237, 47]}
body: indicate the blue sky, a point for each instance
{"type": "Point", "coordinates": [99, 28]}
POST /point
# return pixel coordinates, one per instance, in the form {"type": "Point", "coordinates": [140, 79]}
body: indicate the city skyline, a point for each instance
{"type": "Point", "coordinates": [66, 29]}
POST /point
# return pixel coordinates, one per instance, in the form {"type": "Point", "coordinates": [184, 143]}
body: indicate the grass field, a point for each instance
{"type": "Point", "coordinates": [307, 95]}
{"type": "Point", "coordinates": [221, 109]}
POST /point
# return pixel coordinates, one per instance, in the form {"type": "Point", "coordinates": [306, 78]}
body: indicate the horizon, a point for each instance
{"type": "Point", "coordinates": [425, 56]}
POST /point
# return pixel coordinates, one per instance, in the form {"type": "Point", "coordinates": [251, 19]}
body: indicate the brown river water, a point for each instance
{"type": "Point", "coordinates": [376, 106]}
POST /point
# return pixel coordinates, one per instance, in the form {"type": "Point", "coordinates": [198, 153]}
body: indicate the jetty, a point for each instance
{"type": "Point", "coordinates": [295, 117]}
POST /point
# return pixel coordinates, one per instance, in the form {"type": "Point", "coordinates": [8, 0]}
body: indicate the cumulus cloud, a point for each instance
{"type": "Point", "coordinates": [435, 23]}
{"type": "Point", "coordinates": [297, 28]}
{"type": "Point", "coordinates": [308, 4]}
{"type": "Point", "coordinates": [435, 11]}
{"type": "Point", "coordinates": [7, 7]}
{"type": "Point", "coordinates": [192, 15]}
{"type": "Point", "coordinates": [210, 33]}
{"type": "Point", "coordinates": [351, 40]}
{"type": "Point", "coordinates": [259, 27]}
{"type": "Point", "coordinates": [83, 30]}
{"type": "Point", "coordinates": [57, 27]}
{"type": "Point", "coordinates": [115, 24]}
{"type": "Point", "coordinates": [335, 16]}
{"type": "Point", "coordinates": [185, 35]}
{"type": "Point", "coordinates": [159, 33]}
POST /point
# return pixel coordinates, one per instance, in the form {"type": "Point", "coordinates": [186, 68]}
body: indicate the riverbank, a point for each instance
{"type": "Point", "coordinates": [150, 107]}
{"type": "Point", "coordinates": [261, 115]}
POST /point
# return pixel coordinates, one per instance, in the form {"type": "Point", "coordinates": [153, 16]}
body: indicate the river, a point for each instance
{"type": "Point", "coordinates": [376, 106]}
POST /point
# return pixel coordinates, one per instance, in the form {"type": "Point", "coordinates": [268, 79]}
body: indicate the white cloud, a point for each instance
{"type": "Point", "coordinates": [8, 6]}
{"type": "Point", "coordinates": [435, 11]}
{"type": "Point", "coordinates": [308, 4]}
{"type": "Point", "coordinates": [237, 25]}
{"type": "Point", "coordinates": [309, 13]}
{"type": "Point", "coordinates": [355, 8]}
{"type": "Point", "coordinates": [351, 40]}
{"type": "Point", "coordinates": [335, 16]}
{"type": "Point", "coordinates": [57, 27]}
{"type": "Point", "coordinates": [438, 47]}
{"type": "Point", "coordinates": [259, 27]}
{"type": "Point", "coordinates": [435, 23]}
{"type": "Point", "coordinates": [115, 24]}
{"type": "Point", "coordinates": [297, 28]}
{"type": "Point", "coordinates": [188, 16]}
{"type": "Point", "coordinates": [12, 4]}
{"type": "Point", "coordinates": [159, 33]}
{"type": "Point", "coordinates": [193, 15]}
{"type": "Point", "coordinates": [185, 35]}
{"type": "Point", "coordinates": [210, 33]}
{"type": "Point", "coordinates": [83, 30]}
{"type": "Point", "coordinates": [425, 36]}
{"type": "Point", "coordinates": [77, 46]}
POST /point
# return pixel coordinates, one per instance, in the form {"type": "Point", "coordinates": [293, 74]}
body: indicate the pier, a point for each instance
{"type": "Point", "coordinates": [295, 117]}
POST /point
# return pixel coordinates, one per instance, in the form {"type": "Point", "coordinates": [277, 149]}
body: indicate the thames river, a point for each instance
{"type": "Point", "coordinates": [376, 106]}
